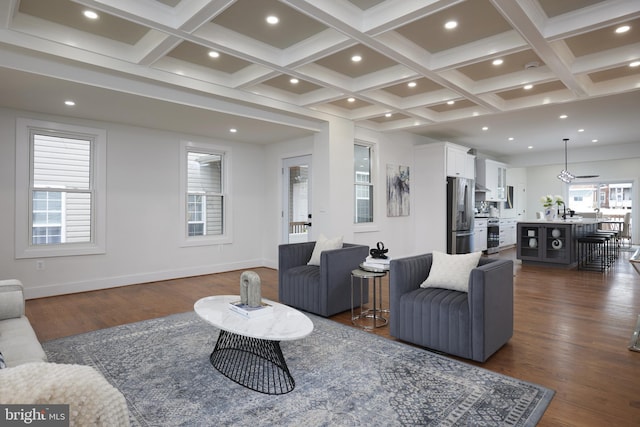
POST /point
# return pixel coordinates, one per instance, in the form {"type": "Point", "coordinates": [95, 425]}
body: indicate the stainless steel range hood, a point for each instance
{"type": "Point", "coordinates": [481, 188]}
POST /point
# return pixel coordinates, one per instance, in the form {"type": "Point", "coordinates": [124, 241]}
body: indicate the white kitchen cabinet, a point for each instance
{"type": "Point", "coordinates": [493, 175]}
{"type": "Point", "coordinates": [459, 162]}
{"type": "Point", "coordinates": [479, 235]}
{"type": "Point", "coordinates": [508, 231]}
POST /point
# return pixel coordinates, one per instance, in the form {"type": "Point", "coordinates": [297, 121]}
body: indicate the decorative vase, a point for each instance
{"type": "Point", "coordinates": [555, 233]}
{"type": "Point", "coordinates": [550, 214]}
{"type": "Point", "coordinates": [533, 242]}
{"type": "Point", "coordinates": [250, 289]}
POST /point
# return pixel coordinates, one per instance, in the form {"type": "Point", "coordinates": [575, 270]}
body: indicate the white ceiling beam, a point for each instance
{"type": "Point", "coordinates": [314, 48]}
{"type": "Point", "coordinates": [514, 14]}
{"type": "Point", "coordinates": [590, 18]}
{"type": "Point", "coordinates": [612, 58]}
{"type": "Point", "coordinates": [253, 75]}
{"type": "Point", "coordinates": [170, 87]}
{"type": "Point", "coordinates": [478, 51]}
{"type": "Point", "coordinates": [7, 10]}
{"type": "Point", "coordinates": [156, 49]}
{"type": "Point", "coordinates": [187, 16]}
{"type": "Point", "coordinates": [320, 96]}
{"type": "Point", "coordinates": [51, 38]}
{"type": "Point", "coordinates": [410, 55]}
{"type": "Point", "coordinates": [390, 15]}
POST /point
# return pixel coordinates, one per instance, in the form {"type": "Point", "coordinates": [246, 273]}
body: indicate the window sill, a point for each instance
{"type": "Point", "coordinates": [205, 241]}
{"type": "Point", "coordinates": [60, 251]}
{"type": "Point", "coordinates": [366, 228]}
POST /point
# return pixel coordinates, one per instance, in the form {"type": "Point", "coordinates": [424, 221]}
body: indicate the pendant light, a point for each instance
{"type": "Point", "coordinates": [565, 175]}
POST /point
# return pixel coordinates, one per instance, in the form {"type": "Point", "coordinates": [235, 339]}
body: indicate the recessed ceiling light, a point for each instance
{"type": "Point", "coordinates": [388, 115]}
{"type": "Point", "coordinates": [594, 140]}
{"type": "Point", "coordinates": [90, 14]}
{"type": "Point", "coordinates": [451, 102]}
{"type": "Point", "coordinates": [214, 54]}
{"type": "Point", "coordinates": [564, 116]}
{"type": "Point", "coordinates": [351, 100]}
{"type": "Point", "coordinates": [530, 147]}
{"type": "Point", "coordinates": [356, 58]}
{"type": "Point", "coordinates": [69, 103]}
{"type": "Point", "coordinates": [498, 61]}
{"type": "Point", "coordinates": [528, 87]}
{"type": "Point", "coordinates": [511, 138]}
{"type": "Point", "coordinates": [412, 84]}
{"type": "Point", "coordinates": [451, 25]}
{"type": "Point", "coordinates": [294, 81]}
{"type": "Point", "coordinates": [634, 64]}
{"type": "Point", "coordinates": [580, 130]}
{"type": "Point", "coordinates": [233, 130]}
{"type": "Point", "coordinates": [272, 19]}
{"type": "Point", "coordinates": [622, 29]}
{"type": "Point", "coordinates": [485, 128]}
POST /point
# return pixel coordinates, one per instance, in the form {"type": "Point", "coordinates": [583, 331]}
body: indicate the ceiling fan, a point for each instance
{"type": "Point", "coordinates": [565, 175]}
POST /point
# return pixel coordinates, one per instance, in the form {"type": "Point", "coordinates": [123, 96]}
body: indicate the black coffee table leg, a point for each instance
{"type": "Point", "coordinates": [253, 363]}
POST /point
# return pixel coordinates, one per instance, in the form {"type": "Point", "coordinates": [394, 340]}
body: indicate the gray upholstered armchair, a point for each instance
{"type": "Point", "coordinates": [471, 325]}
{"type": "Point", "coordinates": [324, 289]}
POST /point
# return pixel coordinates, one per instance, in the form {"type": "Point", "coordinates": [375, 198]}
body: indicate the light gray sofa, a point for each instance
{"type": "Point", "coordinates": [18, 341]}
{"type": "Point", "coordinates": [324, 290]}
{"type": "Point", "coordinates": [471, 325]}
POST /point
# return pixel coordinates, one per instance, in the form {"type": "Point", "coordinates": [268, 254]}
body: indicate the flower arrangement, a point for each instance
{"type": "Point", "coordinates": [549, 200]}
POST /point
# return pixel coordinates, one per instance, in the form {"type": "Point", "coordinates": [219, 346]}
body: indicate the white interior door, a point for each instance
{"type": "Point", "coordinates": [296, 196]}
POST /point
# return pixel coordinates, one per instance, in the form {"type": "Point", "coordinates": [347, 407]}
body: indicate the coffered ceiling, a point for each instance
{"type": "Point", "coordinates": [220, 59]}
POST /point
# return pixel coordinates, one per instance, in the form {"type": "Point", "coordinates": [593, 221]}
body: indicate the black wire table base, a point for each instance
{"type": "Point", "coordinates": [254, 363]}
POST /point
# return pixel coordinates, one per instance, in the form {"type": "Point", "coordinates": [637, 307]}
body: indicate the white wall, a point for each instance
{"type": "Point", "coordinates": [271, 211]}
{"type": "Point", "coordinates": [397, 233]}
{"type": "Point", "coordinates": [332, 191]}
{"type": "Point", "coordinates": [142, 214]}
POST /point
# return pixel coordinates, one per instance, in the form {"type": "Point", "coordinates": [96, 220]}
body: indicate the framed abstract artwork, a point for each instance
{"type": "Point", "coordinates": [397, 190]}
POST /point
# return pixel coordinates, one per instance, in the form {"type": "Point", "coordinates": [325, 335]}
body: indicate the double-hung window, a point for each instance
{"type": "Point", "coordinates": [60, 174]}
{"type": "Point", "coordinates": [204, 200]}
{"type": "Point", "coordinates": [363, 181]}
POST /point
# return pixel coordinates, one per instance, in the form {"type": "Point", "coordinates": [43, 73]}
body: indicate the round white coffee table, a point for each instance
{"type": "Point", "coordinates": [248, 350]}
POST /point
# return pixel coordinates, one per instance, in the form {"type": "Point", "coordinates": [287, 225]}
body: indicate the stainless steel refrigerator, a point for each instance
{"type": "Point", "coordinates": [460, 215]}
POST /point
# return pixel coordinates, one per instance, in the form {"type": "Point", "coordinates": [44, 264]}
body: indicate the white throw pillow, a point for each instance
{"type": "Point", "coordinates": [324, 244]}
{"type": "Point", "coordinates": [451, 271]}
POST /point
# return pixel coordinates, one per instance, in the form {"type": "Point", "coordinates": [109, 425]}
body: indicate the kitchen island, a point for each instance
{"type": "Point", "coordinates": [552, 243]}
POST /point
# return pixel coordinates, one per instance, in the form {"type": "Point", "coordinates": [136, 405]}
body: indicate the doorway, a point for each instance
{"type": "Point", "coordinates": [296, 197]}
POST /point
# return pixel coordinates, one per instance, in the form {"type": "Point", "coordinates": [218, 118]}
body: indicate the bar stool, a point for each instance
{"type": "Point", "coordinates": [612, 243]}
{"type": "Point", "coordinates": [592, 253]}
{"type": "Point", "coordinates": [617, 241]}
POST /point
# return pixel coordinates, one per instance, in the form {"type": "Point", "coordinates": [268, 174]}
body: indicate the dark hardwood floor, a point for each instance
{"type": "Point", "coordinates": [571, 334]}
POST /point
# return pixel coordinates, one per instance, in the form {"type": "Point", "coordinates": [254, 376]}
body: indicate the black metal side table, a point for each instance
{"type": "Point", "coordinates": [368, 318]}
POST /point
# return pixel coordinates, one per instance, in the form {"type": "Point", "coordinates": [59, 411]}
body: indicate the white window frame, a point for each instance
{"type": "Point", "coordinates": [203, 211]}
{"type": "Point", "coordinates": [62, 225]}
{"type": "Point", "coordinates": [227, 221]}
{"type": "Point", "coordinates": [366, 227]}
{"type": "Point", "coordinates": [24, 247]}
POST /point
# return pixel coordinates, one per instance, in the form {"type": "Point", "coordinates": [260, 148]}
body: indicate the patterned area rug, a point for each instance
{"type": "Point", "coordinates": [344, 377]}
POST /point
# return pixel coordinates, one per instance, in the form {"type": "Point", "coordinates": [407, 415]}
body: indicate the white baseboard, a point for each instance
{"type": "Point", "coordinates": [49, 290]}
